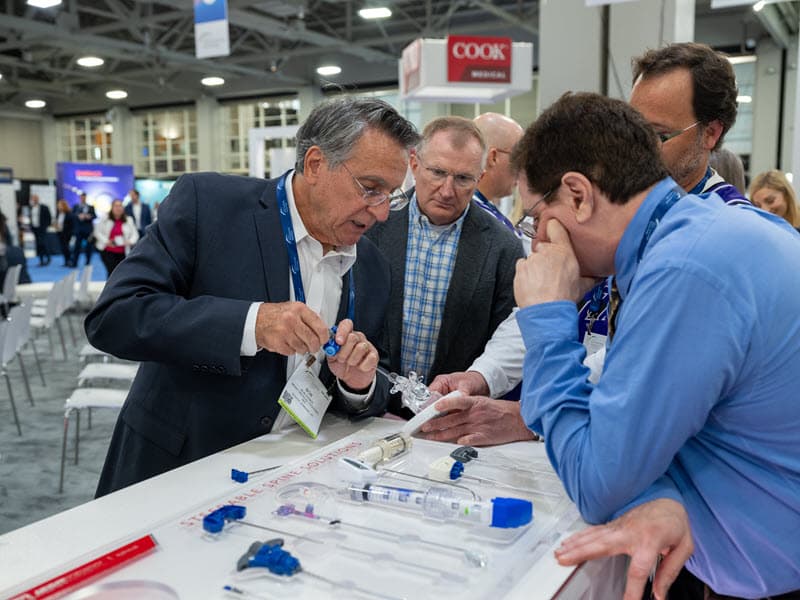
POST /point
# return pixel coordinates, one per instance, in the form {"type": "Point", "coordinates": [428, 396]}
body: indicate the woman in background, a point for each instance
{"type": "Point", "coordinates": [772, 192]}
{"type": "Point", "coordinates": [114, 236]}
{"type": "Point", "coordinates": [65, 223]}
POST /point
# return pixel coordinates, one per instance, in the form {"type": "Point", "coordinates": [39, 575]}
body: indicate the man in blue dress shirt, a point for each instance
{"type": "Point", "coordinates": [696, 409]}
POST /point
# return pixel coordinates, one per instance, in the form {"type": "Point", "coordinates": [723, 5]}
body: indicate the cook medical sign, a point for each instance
{"type": "Point", "coordinates": [478, 59]}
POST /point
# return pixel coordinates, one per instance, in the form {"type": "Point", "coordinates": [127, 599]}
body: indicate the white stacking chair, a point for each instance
{"type": "Point", "coordinates": [82, 297]}
{"type": "Point", "coordinates": [68, 302]}
{"type": "Point", "coordinates": [44, 322]}
{"type": "Point", "coordinates": [10, 283]}
{"type": "Point", "coordinates": [106, 372]}
{"type": "Point", "coordinates": [25, 337]}
{"type": "Point", "coordinates": [89, 354]}
{"type": "Point", "coordinates": [5, 327]}
{"type": "Point", "coordinates": [12, 345]}
{"type": "Point", "coordinates": [85, 398]}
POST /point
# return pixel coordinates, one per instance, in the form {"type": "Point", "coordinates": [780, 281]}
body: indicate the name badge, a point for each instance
{"type": "Point", "coordinates": [593, 342]}
{"type": "Point", "coordinates": [305, 399]}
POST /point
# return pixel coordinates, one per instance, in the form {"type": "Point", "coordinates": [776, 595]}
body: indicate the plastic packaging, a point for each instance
{"type": "Point", "coordinates": [386, 449]}
{"type": "Point", "coordinates": [444, 504]}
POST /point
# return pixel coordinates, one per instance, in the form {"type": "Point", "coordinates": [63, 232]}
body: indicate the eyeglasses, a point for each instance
{"type": "Point", "coordinates": [665, 137]}
{"type": "Point", "coordinates": [529, 223]}
{"type": "Point", "coordinates": [373, 197]}
{"type": "Point", "coordinates": [463, 181]}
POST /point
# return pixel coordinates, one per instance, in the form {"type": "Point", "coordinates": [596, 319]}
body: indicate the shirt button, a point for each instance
{"type": "Point", "coordinates": [266, 422]}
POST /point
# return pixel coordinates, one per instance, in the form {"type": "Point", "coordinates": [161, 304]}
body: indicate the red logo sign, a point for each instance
{"type": "Point", "coordinates": [478, 59]}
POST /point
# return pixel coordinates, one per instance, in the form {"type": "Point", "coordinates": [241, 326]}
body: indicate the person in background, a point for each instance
{"type": "Point", "coordinates": [40, 219]}
{"type": "Point", "coordinates": [65, 225]}
{"type": "Point", "coordinates": [452, 263]}
{"type": "Point", "coordinates": [84, 226]}
{"type": "Point", "coordinates": [139, 212]}
{"type": "Point", "coordinates": [772, 192]}
{"type": "Point", "coordinates": [115, 236]}
{"type": "Point", "coordinates": [5, 242]}
{"type": "Point", "coordinates": [499, 180]}
{"type": "Point", "coordinates": [729, 166]}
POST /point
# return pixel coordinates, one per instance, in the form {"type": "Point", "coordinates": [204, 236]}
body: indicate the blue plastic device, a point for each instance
{"type": "Point", "coordinates": [270, 555]}
{"type": "Point", "coordinates": [331, 347]}
{"type": "Point", "coordinates": [215, 521]}
{"type": "Point", "coordinates": [511, 512]}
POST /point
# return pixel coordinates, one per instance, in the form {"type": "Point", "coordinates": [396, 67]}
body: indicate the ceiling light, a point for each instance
{"type": "Point", "coordinates": [1, 75]}
{"type": "Point", "coordinates": [328, 70]}
{"type": "Point", "coordinates": [90, 61]}
{"type": "Point", "coordinates": [108, 128]}
{"type": "Point", "coordinates": [35, 103]}
{"type": "Point", "coordinates": [116, 94]}
{"type": "Point", "coordinates": [44, 3]}
{"type": "Point", "coordinates": [744, 99]}
{"type": "Point", "coordinates": [212, 81]}
{"type": "Point", "coordinates": [759, 5]}
{"type": "Point", "coordinates": [379, 12]}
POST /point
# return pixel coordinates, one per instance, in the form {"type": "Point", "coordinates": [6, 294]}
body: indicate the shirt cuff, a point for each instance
{"type": "Point", "coordinates": [548, 322]}
{"type": "Point", "coordinates": [493, 373]}
{"type": "Point", "coordinates": [356, 401]}
{"type": "Point", "coordinates": [249, 346]}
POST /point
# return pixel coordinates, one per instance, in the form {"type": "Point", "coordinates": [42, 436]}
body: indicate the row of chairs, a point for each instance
{"type": "Point", "coordinates": [104, 370]}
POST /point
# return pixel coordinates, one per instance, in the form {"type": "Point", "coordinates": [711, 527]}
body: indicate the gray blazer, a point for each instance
{"type": "Point", "coordinates": [480, 296]}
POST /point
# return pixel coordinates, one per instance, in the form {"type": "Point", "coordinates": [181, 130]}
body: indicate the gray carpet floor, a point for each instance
{"type": "Point", "coordinates": [30, 464]}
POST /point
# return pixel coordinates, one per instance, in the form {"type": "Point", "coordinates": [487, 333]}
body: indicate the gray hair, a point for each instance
{"type": "Point", "coordinates": [337, 125]}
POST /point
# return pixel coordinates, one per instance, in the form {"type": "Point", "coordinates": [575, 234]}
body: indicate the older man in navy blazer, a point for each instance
{"type": "Point", "coordinates": [214, 313]}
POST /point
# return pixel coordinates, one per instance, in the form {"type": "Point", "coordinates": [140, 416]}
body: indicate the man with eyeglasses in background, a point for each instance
{"type": "Point", "coordinates": [223, 317]}
{"type": "Point", "coordinates": [452, 264]}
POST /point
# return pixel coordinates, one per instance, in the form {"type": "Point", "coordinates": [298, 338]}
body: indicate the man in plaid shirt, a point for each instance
{"type": "Point", "coordinates": [452, 264]}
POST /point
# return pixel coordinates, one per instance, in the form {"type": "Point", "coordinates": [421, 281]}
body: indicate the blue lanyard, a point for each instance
{"type": "Point", "coordinates": [666, 203]}
{"type": "Point", "coordinates": [699, 187]}
{"type": "Point", "coordinates": [489, 206]}
{"type": "Point", "coordinates": [294, 258]}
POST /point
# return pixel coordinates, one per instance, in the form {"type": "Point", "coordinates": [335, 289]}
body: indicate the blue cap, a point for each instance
{"type": "Point", "coordinates": [240, 476]}
{"type": "Point", "coordinates": [511, 512]}
{"type": "Point", "coordinates": [215, 521]}
{"type": "Point", "coordinates": [456, 470]}
{"type": "Point", "coordinates": [331, 347]}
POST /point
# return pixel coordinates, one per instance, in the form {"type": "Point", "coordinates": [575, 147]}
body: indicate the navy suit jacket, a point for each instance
{"type": "Point", "coordinates": [178, 303]}
{"type": "Point", "coordinates": [147, 217]}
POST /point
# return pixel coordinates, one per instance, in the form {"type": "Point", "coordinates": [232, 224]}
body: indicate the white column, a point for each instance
{"type": "Point", "coordinates": [122, 136]}
{"type": "Point", "coordinates": [636, 27]}
{"type": "Point", "coordinates": [209, 156]}
{"type": "Point", "coordinates": [49, 146]}
{"type": "Point", "coordinates": [791, 116]}
{"type": "Point", "coordinates": [569, 49]}
{"type": "Point", "coordinates": [309, 97]}
{"type": "Point", "coordinates": [766, 107]}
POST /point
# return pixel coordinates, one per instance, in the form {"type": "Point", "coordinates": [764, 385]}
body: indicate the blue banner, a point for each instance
{"type": "Point", "coordinates": [101, 183]}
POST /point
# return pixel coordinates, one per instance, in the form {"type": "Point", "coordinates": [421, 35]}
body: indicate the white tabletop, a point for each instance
{"type": "Point", "coordinates": [41, 550]}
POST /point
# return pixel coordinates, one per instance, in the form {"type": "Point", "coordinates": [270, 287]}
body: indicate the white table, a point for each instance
{"type": "Point", "coordinates": [41, 550]}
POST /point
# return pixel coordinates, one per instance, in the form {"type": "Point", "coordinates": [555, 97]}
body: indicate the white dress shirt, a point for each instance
{"type": "Point", "coordinates": [322, 284]}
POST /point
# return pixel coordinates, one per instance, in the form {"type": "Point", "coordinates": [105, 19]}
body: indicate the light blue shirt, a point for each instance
{"type": "Point", "coordinates": [698, 400]}
{"type": "Point", "coordinates": [430, 258]}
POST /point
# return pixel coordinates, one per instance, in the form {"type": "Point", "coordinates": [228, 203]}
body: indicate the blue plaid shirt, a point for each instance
{"type": "Point", "coordinates": [430, 257]}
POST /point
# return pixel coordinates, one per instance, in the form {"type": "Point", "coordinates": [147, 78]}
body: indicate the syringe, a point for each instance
{"type": "Point", "coordinates": [442, 503]}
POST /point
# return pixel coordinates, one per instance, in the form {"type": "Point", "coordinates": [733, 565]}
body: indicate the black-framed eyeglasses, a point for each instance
{"type": "Point", "coordinates": [665, 137]}
{"type": "Point", "coordinates": [528, 223]}
{"type": "Point", "coordinates": [463, 181]}
{"type": "Point", "coordinates": [374, 197]}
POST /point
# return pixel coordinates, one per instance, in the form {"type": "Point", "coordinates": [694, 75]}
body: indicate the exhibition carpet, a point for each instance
{"type": "Point", "coordinates": [56, 269]}
{"type": "Point", "coordinates": [29, 465]}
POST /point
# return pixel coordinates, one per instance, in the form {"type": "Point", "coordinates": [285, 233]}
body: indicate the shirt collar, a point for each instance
{"type": "Point", "coordinates": [302, 237]}
{"type": "Point", "coordinates": [625, 261]}
{"type": "Point", "coordinates": [416, 216]}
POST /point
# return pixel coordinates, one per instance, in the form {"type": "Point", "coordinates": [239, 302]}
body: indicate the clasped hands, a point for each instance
{"type": "Point", "coordinates": [292, 328]}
